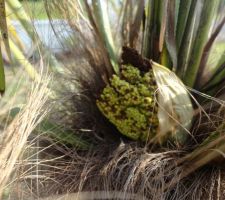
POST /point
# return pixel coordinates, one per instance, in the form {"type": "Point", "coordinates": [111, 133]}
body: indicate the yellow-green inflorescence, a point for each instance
{"type": "Point", "coordinates": [128, 102]}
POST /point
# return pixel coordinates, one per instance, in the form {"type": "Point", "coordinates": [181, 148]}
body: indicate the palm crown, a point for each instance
{"type": "Point", "coordinates": [145, 100]}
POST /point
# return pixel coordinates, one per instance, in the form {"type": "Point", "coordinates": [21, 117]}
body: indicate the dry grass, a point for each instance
{"type": "Point", "coordinates": [14, 137]}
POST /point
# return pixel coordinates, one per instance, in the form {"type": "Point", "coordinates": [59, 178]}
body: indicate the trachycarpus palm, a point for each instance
{"type": "Point", "coordinates": [175, 34]}
{"type": "Point", "coordinates": [131, 96]}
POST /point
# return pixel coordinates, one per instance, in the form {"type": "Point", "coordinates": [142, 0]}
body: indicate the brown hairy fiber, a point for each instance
{"type": "Point", "coordinates": [131, 56]}
{"type": "Point", "coordinates": [125, 169]}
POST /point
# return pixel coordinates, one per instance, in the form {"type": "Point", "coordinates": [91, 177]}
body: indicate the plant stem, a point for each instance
{"type": "Point", "coordinates": [187, 41]}
{"type": "Point", "coordinates": [207, 16]}
{"type": "Point", "coordinates": [100, 12]}
{"type": "Point", "coordinates": [182, 20]}
{"type": "Point", "coordinates": [2, 74]}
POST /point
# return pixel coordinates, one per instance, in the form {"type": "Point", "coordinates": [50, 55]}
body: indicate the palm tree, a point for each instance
{"type": "Point", "coordinates": [142, 102]}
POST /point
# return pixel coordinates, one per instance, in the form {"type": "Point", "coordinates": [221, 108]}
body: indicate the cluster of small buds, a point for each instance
{"type": "Point", "coordinates": [128, 102]}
